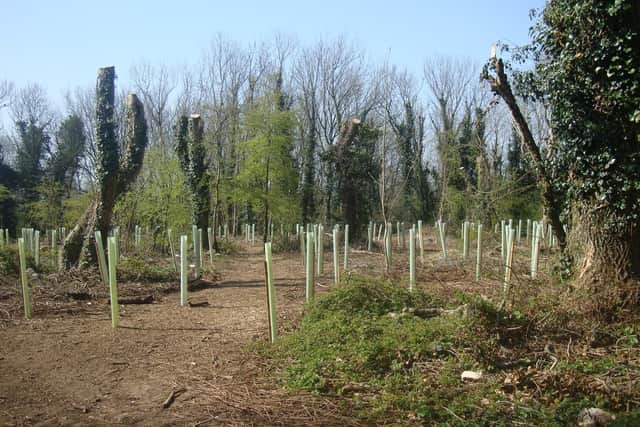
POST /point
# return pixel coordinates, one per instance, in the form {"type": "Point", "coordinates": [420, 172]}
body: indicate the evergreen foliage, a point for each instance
{"type": "Point", "coordinates": [70, 141]}
{"type": "Point", "coordinates": [33, 144]}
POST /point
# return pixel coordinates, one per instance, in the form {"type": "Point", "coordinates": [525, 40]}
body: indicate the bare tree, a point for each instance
{"type": "Point", "coordinates": [6, 91]}
{"type": "Point", "coordinates": [31, 104]}
{"type": "Point", "coordinates": [306, 75]}
{"type": "Point", "coordinates": [499, 83]}
{"type": "Point", "coordinates": [155, 84]}
{"type": "Point", "coordinates": [223, 74]}
{"type": "Point", "coordinates": [81, 102]}
{"type": "Point", "coordinates": [450, 84]}
{"type": "Point", "coordinates": [187, 96]}
{"type": "Point", "coordinates": [347, 90]}
{"type": "Point", "coordinates": [403, 115]}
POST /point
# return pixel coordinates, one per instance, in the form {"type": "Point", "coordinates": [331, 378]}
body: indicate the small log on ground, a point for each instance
{"type": "Point", "coordinates": [198, 302]}
{"type": "Point", "coordinates": [147, 299]}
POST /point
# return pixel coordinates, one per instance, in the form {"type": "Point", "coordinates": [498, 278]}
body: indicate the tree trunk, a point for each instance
{"type": "Point", "coordinates": [308, 185]}
{"type": "Point", "coordinates": [443, 190]}
{"type": "Point", "coordinates": [216, 212]}
{"type": "Point", "coordinates": [500, 85]}
{"type": "Point", "coordinates": [344, 165]}
{"type": "Point", "coordinates": [192, 155]}
{"type": "Point", "coordinates": [607, 252]}
{"type": "Point", "coordinates": [115, 171]}
{"type": "Point", "coordinates": [79, 243]}
{"type": "Point", "coordinates": [199, 176]}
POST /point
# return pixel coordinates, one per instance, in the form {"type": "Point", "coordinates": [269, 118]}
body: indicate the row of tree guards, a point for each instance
{"type": "Point", "coordinates": [312, 252]}
{"type": "Point", "coordinates": [311, 240]}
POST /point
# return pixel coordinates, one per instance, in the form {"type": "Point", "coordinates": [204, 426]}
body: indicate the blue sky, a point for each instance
{"type": "Point", "coordinates": [61, 43]}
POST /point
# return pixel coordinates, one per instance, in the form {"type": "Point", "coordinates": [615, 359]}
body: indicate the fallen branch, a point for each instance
{"type": "Point", "coordinates": [427, 313]}
{"type": "Point", "coordinates": [78, 295]}
{"type": "Point", "coordinates": [500, 86]}
{"type": "Point", "coordinates": [148, 299]}
{"type": "Point", "coordinates": [198, 302]}
{"type": "Point", "coordinates": [172, 397]}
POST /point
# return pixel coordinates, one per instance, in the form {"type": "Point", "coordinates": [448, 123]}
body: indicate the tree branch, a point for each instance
{"type": "Point", "coordinates": [500, 86]}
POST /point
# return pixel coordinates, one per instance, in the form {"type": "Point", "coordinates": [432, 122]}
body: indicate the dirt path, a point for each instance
{"type": "Point", "coordinates": [67, 366]}
{"type": "Point", "coordinates": [74, 369]}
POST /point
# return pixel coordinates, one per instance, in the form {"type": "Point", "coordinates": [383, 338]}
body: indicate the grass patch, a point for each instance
{"type": "Point", "coordinates": [363, 341]}
{"type": "Point", "coordinates": [366, 344]}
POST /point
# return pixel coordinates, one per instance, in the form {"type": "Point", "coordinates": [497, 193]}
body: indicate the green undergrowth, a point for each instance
{"type": "Point", "coordinates": [285, 244]}
{"type": "Point", "coordinates": [135, 267]}
{"type": "Point", "coordinates": [227, 247]}
{"type": "Point", "coordinates": [383, 352]}
{"type": "Point", "coordinates": [9, 264]}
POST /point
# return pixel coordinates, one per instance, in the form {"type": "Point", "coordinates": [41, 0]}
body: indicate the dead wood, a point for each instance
{"type": "Point", "coordinates": [147, 299]}
{"type": "Point", "coordinates": [199, 302]}
{"type": "Point", "coordinates": [427, 313]}
{"type": "Point", "coordinates": [172, 397]}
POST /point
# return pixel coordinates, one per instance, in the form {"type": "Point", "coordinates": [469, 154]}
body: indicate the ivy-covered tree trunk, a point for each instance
{"type": "Point", "coordinates": [192, 155]}
{"type": "Point", "coordinates": [308, 184]}
{"type": "Point", "coordinates": [608, 254]}
{"type": "Point", "coordinates": [345, 167]}
{"type": "Point", "coordinates": [115, 171]}
{"type": "Point", "coordinates": [356, 172]}
{"type": "Point", "coordinates": [587, 57]}
{"type": "Point", "coordinates": [594, 98]}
